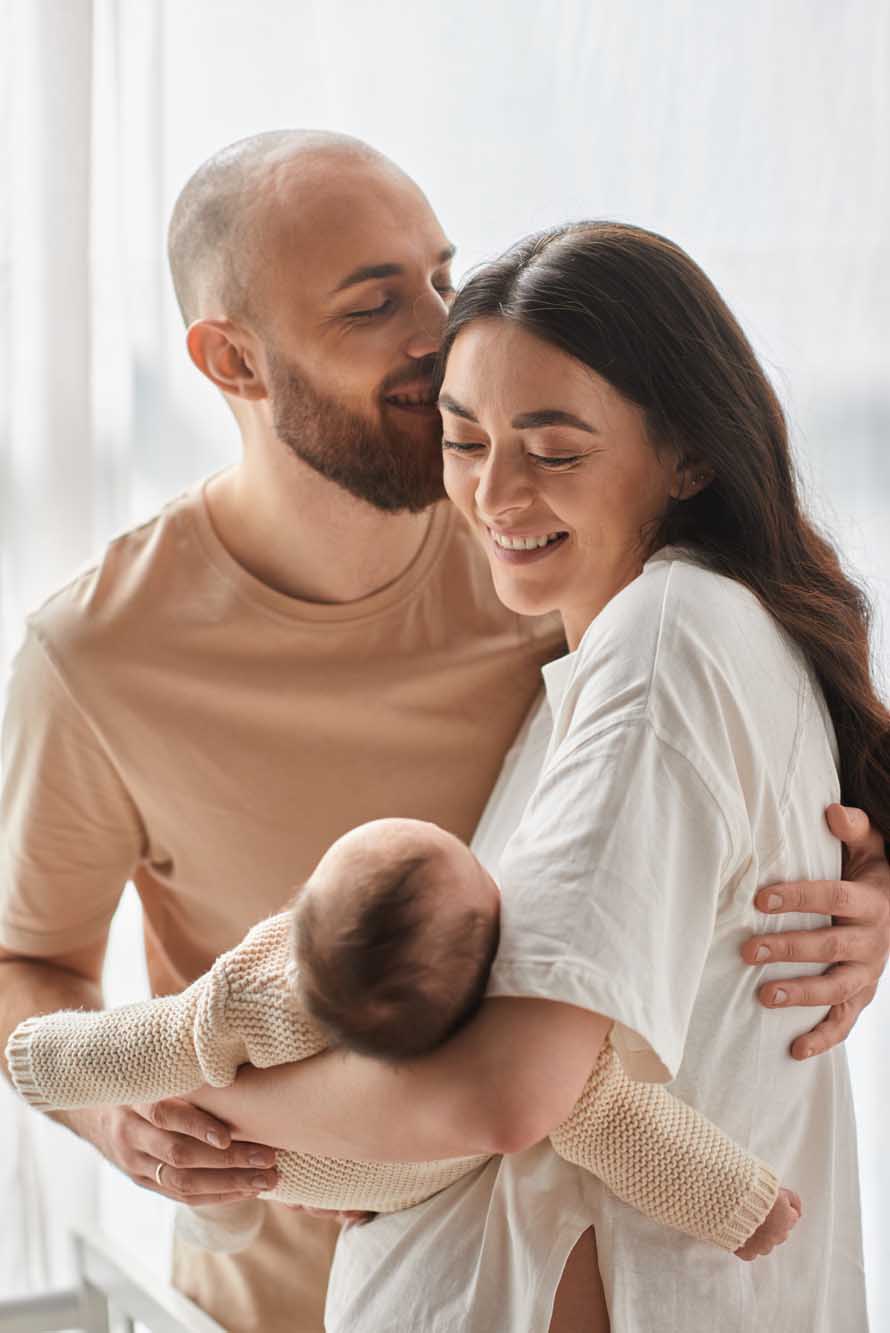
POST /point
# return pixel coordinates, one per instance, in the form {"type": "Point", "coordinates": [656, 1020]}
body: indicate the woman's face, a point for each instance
{"type": "Point", "coordinates": [553, 470]}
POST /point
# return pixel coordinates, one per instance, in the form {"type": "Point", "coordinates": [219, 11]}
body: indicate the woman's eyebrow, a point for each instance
{"type": "Point", "coordinates": [551, 416]}
{"type": "Point", "coordinates": [545, 416]}
{"type": "Point", "coordinates": [452, 405]}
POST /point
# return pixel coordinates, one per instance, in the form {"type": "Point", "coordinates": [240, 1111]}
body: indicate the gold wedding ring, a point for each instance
{"type": "Point", "coordinates": [158, 1169]}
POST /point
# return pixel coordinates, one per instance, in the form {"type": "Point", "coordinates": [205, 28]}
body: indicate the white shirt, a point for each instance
{"type": "Point", "coordinates": [690, 760]}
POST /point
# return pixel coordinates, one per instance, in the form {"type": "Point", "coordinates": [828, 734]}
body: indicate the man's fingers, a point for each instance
{"type": "Point", "coordinates": [837, 986]}
{"type": "Point", "coordinates": [834, 1028]}
{"type": "Point", "coordinates": [178, 1150]}
{"type": "Point", "coordinates": [194, 1200]}
{"type": "Point", "coordinates": [831, 944]}
{"type": "Point", "coordinates": [189, 1185]}
{"type": "Point", "coordinates": [853, 827]}
{"type": "Point", "coordinates": [828, 897]}
{"type": "Point", "coordinates": [182, 1117]}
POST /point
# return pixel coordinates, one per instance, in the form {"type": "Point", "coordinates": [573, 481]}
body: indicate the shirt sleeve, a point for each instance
{"type": "Point", "coordinates": [610, 889]}
{"type": "Point", "coordinates": [71, 835]}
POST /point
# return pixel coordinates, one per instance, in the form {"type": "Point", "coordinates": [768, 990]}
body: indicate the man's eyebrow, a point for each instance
{"type": "Point", "coordinates": [366, 272]}
{"type": "Point", "coordinates": [545, 416]}
{"type": "Point", "coordinates": [369, 271]}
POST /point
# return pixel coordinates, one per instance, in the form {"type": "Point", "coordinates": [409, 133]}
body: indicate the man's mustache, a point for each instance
{"type": "Point", "coordinates": [420, 374]}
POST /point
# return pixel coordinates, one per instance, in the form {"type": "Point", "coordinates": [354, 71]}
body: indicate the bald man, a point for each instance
{"type": "Point", "coordinates": [303, 643]}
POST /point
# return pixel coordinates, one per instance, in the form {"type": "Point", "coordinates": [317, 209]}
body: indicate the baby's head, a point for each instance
{"type": "Point", "coordinates": [394, 936]}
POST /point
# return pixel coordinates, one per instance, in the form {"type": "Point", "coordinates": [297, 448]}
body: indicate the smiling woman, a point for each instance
{"type": "Point", "coordinates": [621, 457]}
{"type": "Point", "coordinates": [562, 496]}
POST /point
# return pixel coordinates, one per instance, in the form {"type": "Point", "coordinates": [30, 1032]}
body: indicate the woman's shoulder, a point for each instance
{"type": "Point", "coordinates": [685, 647]}
{"type": "Point", "coordinates": [679, 609]}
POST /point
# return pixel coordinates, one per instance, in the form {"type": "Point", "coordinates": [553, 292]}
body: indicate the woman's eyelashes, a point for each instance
{"type": "Point", "coordinates": [547, 461]}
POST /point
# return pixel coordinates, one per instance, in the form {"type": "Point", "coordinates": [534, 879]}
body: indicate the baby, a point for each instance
{"type": "Point", "coordinates": [386, 951]}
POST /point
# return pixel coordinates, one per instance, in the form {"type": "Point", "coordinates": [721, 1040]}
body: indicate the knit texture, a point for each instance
{"type": "Point", "coordinates": [653, 1151]}
{"type": "Point", "coordinates": [664, 1158]}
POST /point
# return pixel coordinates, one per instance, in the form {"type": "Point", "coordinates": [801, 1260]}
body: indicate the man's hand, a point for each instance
{"type": "Point", "coordinates": [856, 945]}
{"type": "Point", "coordinates": [200, 1163]}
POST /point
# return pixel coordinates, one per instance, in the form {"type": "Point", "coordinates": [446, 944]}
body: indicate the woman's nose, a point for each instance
{"type": "Point", "coordinates": [503, 486]}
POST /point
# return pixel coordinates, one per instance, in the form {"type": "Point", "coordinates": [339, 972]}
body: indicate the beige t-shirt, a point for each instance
{"type": "Point", "coordinates": [173, 721]}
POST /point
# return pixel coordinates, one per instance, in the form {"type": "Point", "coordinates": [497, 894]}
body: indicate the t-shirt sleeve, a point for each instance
{"type": "Point", "coordinates": [71, 835]}
{"type": "Point", "coordinates": [610, 889]}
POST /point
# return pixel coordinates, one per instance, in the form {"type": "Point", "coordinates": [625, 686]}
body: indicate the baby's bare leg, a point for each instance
{"type": "Point", "coordinates": [580, 1304]}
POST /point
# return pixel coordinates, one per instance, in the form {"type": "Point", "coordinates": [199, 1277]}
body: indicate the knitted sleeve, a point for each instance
{"type": "Point", "coordinates": [665, 1159]}
{"type": "Point", "coordinates": [88, 1058]}
{"type": "Point", "coordinates": [241, 1011]}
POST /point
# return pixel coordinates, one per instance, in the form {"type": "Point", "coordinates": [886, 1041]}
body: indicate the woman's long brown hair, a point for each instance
{"type": "Point", "coordinates": [636, 309]}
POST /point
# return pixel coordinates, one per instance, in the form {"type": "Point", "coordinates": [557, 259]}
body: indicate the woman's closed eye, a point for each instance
{"type": "Point", "coordinates": [551, 461]}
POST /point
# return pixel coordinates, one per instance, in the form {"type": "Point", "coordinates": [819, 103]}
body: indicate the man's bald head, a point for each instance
{"type": "Point", "coordinates": [217, 229]}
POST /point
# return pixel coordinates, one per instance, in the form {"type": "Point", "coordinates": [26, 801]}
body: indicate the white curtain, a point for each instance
{"type": "Point", "coordinates": [756, 136]}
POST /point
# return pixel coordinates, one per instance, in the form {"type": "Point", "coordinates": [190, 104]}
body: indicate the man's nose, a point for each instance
{"type": "Point", "coordinates": [429, 315]}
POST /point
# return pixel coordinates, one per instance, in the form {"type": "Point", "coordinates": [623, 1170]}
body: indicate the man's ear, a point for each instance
{"type": "Point", "coordinates": [224, 353]}
{"type": "Point", "coordinates": [690, 478]}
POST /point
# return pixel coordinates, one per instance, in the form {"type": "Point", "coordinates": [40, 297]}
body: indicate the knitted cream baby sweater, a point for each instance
{"type": "Point", "coordinates": [653, 1151]}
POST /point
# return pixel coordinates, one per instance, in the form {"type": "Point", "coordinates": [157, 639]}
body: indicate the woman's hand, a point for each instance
{"type": "Point", "coordinates": [776, 1227]}
{"type": "Point", "coordinates": [856, 945]}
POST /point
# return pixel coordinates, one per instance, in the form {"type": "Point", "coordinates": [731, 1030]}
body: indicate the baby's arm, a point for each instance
{"type": "Point", "coordinates": [241, 1011]}
{"type": "Point", "coordinates": [665, 1159]}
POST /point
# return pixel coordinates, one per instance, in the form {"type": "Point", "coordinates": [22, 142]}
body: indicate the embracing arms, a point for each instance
{"type": "Point", "coordinates": [855, 946]}
{"type": "Point", "coordinates": [654, 1152]}
{"type": "Point", "coordinates": [483, 1092]}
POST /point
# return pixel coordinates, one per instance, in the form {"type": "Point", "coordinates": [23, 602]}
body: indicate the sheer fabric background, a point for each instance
{"type": "Point", "coordinates": [756, 136]}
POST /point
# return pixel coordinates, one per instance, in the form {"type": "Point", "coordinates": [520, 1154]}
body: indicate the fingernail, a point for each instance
{"type": "Point", "coordinates": [807, 1052]}
{"type": "Point", "coordinates": [214, 1139]}
{"type": "Point", "coordinates": [762, 954]}
{"type": "Point", "coordinates": [773, 902]}
{"type": "Point", "coordinates": [262, 1159]}
{"type": "Point", "coordinates": [260, 1182]}
{"type": "Point", "coordinates": [780, 996]}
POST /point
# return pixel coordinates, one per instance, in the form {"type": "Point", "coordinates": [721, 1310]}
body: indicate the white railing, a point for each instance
{"type": "Point", "coordinates": [114, 1291]}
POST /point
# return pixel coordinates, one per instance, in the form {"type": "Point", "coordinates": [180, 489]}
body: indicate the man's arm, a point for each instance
{"type": "Point", "coordinates": [502, 1083]}
{"type": "Point", "coordinates": [196, 1171]}
{"type": "Point", "coordinates": [856, 946]}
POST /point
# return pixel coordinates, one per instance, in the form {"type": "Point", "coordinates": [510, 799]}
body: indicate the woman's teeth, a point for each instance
{"type": "Point", "coordinates": [523, 543]}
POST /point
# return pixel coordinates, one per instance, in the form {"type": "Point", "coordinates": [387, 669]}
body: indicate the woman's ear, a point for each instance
{"type": "Point", "coordinates": [224, 353]}
{"type": "Point", "coordinates": [690, 478]}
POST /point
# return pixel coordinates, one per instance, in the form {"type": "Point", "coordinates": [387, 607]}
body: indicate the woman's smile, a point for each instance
{"type": "Point", "coordinates": [524, 548]}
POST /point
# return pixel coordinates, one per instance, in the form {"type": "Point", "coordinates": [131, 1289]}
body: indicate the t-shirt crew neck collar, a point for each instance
{"type": "Point", "coordinates": [558, 673]}
{"type": "Point", "coordinates": [267, 599]}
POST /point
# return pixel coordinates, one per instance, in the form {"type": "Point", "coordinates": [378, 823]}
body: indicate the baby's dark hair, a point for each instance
{"type": "Point", "coordinates": [388, 972]}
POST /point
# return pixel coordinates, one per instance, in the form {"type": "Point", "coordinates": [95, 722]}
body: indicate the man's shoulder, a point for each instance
{"type": "Point", "coordinates": [117, 596]}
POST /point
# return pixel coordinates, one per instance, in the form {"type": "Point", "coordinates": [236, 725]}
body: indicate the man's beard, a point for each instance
{"type": "Point", "coordinates": [390, 469]}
